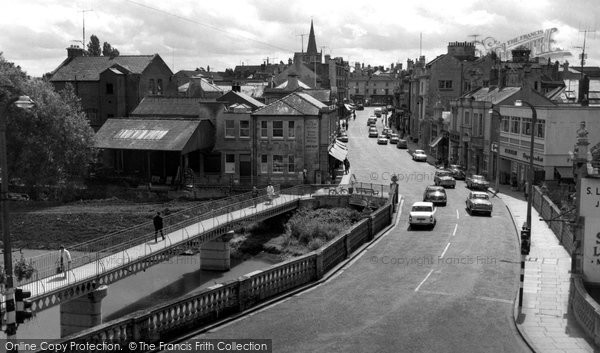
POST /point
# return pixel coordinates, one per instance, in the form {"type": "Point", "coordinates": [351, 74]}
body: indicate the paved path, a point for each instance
{"type": "Point", "coordinates": [547, 325]}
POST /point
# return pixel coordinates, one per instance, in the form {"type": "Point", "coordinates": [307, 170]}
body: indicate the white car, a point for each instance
{"type": "Point", "coordinates": [419, 155]}
{"type": "Point", "coordinates": [422, 213]}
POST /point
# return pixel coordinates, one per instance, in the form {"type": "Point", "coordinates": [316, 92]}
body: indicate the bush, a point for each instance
{"type": "Point", "coordinates": [323, 224]}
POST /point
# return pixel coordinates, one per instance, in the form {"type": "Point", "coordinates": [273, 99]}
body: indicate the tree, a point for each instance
{"type": "Point", "coordinates": [108, 50]}
{"type": "Point", "coordinates": [52, 141]}
{"type": "Point", "coordinates": [93, 47]}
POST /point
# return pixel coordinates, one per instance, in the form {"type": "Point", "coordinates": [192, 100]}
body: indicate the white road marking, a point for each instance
{"type": "Point", "coordinates": [423, 281]}
{"type": "Point", "coordinates": [455, 228]}
{"type": "Point", "coordinates": [457, 215]}
{"type": "Point", "coordinates": [444, 252]}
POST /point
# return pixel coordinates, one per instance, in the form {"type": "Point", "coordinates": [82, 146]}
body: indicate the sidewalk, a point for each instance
{"type": "Point", "coordinates": [546, 323]}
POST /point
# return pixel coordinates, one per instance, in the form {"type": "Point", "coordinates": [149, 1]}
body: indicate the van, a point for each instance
{"type": "Point", "coordinates": [378, 112]}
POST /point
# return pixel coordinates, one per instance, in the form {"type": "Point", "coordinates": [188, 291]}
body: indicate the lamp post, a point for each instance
{"type": "Point", "coordinates": [25, 103]}
{"type": "Point", "coordinates": [520, 103]}
{"type": "Point", "coordinates": [497, 149]}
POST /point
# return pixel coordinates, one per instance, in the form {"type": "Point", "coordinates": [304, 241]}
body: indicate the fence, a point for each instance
{"type": "Point", "coordinates": [195, 310]}
{"type": "Point", "coordinates": [585, 309]}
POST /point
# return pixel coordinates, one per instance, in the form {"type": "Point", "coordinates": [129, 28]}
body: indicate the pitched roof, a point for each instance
{"type": "Point", "coordinates": [296, 103]}
{"type": "Point", "coordinates": [494, 95]}
{"type": "Point", "coordinates": [88, 68]}
{"type": "Point", "coordinates": [168, 106]}
{"type": "Point", "coordinates": [249, 100]}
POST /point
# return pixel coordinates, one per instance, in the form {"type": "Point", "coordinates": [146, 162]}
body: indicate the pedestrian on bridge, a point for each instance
{"type": "Point", "coordinates": [65, 259]}
{"type": "Point", "coordinates": [158, 226]}
{"type": "Point", "coordinates": [270, 193]}
{"type": "Point", "coordinates": [254, 195]}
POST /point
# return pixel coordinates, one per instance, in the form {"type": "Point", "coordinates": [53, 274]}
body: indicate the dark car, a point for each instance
{"type": "Point", "coordinates": [436, 195]}
{"type": "Point", "coordinates": [402, 144]}
{"type": "Point", "coordinates": [360, 106]}
{"type": "Point", "coordinates": [477, 182]}
{"type": "Point", "coordinates": [458, 172]}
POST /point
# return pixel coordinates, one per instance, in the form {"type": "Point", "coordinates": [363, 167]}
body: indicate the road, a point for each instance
{"type": "Point", "coordinates": [446, 289]}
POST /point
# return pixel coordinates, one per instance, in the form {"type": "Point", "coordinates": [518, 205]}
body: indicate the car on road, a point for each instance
{"type": "Point", "coordinates": [419, 155]}
{"type": "Point", "coordinates": [394, 138]}
{"type": "Point", "coordinates": [387, 132]}
{"type": "Point", "coordinates": [343, 137]}
{"type": "Point", "coordinates": [373, 132]}
{"type": "Point", "coordinates": [477, 182]}
{"type": "Point", "coordinates": [403, 144]}
{"type": "Point", "coordinates": [360, 106]}
{"type": "Point", "coordinates": [444, 178]}
{"type": "Point", "coordinates": [479, 202]}
{"type": "Point", "coordinates": [371, 121]}
{"type": "Point", "coordinates": [436, 195]}
{"type": "Point", "coordinates": [378, 112]}
{"type": "Point", "coordinates": [382, 140]}
{"type": "Point", "coordinates": [422, 213]}
{"type": "Point", "coordinates": [458, 172]}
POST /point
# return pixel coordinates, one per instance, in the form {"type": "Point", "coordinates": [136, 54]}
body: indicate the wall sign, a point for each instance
{"type": "Point", "coordinates": [589, 206]}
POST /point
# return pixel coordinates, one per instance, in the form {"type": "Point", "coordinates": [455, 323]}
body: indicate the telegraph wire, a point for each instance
{"type": "Point", "coordinates": [214, 28]}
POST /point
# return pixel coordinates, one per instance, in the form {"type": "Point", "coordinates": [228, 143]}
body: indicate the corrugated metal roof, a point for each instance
{"type": "Point", "coordinates": [145, 134]}
{"type": "Point", "coordinates": [88, 68]}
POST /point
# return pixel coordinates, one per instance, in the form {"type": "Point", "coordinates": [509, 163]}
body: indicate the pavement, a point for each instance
{"type": "Point", "coordinates": [545, 322]}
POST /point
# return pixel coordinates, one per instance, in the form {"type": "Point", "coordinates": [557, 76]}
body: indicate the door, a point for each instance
{"type": "Point", "coordinates": [245, 168]}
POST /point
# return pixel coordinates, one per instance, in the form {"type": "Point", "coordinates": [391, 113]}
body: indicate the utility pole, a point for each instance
{"type": "Point", "coordinates": [83, 21]}
{"type": "Point", "coordinates": [302, 36]}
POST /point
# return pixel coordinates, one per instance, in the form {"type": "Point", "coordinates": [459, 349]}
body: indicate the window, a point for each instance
{"type": "Point", "coordinates": [387, 91]}
{"type": "Point", "coordinates": [540, 127]}
{"type": "Point", "coordinates": [263, 164]}
{"type": "Point", "coordinates": [160, 87]}
{"type": "Point", "coordinates": [467, 118]}
{"type": "Point", "coordinates": [486, 83]}
{"type": "Point", "coordinates": [278, 166]}
{"type": "Point", "coordinates": [229, 128]}
{"type": "Point", "coordinates": [291, 166]}
{"type": "Point", "coordinates": [244, 128]}
{"type": "Point", "coordinates": [278, 128]}
{"type": "Point", "coordinates": [480, 124]}
{"type": "Point", "coordinates": [109, 88]}
{"type": "Point", "coordinates": [291, 131]}
{"type": "Point", "coordinates": [445, 84]}
{"type": "Point", "coordinates": [230, 163]}
{"type": "Point", "coordinates": [152, 88]}
{"type": "Point", "coordinates": [526, 126]}
{"type": "Point", "coordinates": [264, 132]}
{"type": "Point", "coordinates": [505, 123]}
{"type": "Point", "coordinates": [356, 90]}
{"type": "Point", "coordinates": [386, 84]}
{"type": "Point", "coordinates": [514, 124]}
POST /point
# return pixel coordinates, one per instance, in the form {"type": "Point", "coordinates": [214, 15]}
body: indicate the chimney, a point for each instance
{"type": "Point", "coordinates": [566, 66]}
{"type": "Point", "coordinates": [74, 51]}
{"type": "Point", "coordinates": [584, 90]}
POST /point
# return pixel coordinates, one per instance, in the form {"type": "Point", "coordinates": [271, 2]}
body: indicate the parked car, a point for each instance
{"type": "Point", "coordinates": [378, 112]}
{"type": "Point", "coordinates": [403, 144]}
{"type": "Point", "coordinates": [372, 121]}
{"type": "Point", "coordinates": [387, 132]}
{"type": "Point", "coordinates": [444, 178]}
{"type": "Point", "coordinates": [343, 137]}
{"type": "Point", "coordinates": [373, 132]}
{"type": "Point", "coordinates": [458, 171]}
{"type": "Point", "coordinates": [419, 155]}
{"type": "Point", "coordinates": [479, 201]}
{"type": "Point", "coordinates": [360, 106]}
{"type": "Point", "coordinates": [394, 138]}
{"type": "Point", "coordinates": [382, 140]}
{"type": "Point", "coordinates": [477, 182]}
{"type": "Point", "coordinates": [436, 195]}
{"type": "Point", "coordinates": [422, 213]}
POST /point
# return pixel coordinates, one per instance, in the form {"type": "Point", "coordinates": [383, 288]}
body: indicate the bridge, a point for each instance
{"type": "Point", "coordinates": [103, 261]}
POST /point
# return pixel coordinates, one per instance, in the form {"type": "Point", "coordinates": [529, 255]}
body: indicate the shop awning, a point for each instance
{"type": "Point", "coordinates": [349, 107]}
{"type": "Point", "coordinates": [338, 150]}
{"type": "Point", "coordinates": [565, 172]}
{"type": "Point", "coordinates": [436, 141]}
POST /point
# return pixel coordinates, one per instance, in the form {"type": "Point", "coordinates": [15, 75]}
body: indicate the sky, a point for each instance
{"type": "Point", "coordinates": [189, 34]}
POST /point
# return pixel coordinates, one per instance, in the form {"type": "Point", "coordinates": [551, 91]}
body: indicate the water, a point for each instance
{"type": "Point", "coordinates": [160, 283]}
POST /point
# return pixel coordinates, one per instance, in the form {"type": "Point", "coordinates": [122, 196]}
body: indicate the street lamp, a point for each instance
{"type": "Point", "coordinates": [23, 102]}
{"type": "Point", "coordinates": [497, 149]}
{"type": "Point", "coordinates": [520, 103]}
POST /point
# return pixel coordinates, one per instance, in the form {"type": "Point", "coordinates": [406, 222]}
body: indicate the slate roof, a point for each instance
{"type": "Point", "coordinates": [88, 68]}
{"type": "Point", "coordinates": [297, 103]}
{"type": "Point", "coordinates": [252, 102]}
{"type": "Point", "coordinates": [169, 106]}
{"type": "Point", "coordinates": [494, 96]}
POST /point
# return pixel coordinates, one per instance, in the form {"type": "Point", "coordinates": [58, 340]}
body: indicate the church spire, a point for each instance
{"type": "Point", "coordinates": [311, 49]}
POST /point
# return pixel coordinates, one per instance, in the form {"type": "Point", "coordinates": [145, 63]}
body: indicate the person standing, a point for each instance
{"type": "Point", "coordinates": [254, 195]}
{"type": "Point", "coordinates": [270, 193]}
{"type": "Point", "coordinates": [65, 259]}
{"type": "Point", "coordinates": [158, 226]}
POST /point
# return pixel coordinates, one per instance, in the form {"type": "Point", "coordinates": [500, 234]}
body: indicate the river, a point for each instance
{"type": "Point", "coordinates": [165, 281]}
